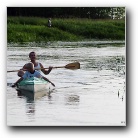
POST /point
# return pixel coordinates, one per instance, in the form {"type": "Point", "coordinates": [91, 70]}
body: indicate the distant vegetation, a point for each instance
{"type": "Point", "coordinates": [35, 29]}
{"type": "Point", "coordinates": [68, 12]}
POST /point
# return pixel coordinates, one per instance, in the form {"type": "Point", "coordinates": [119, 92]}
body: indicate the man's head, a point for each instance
{"type": "Point", "coordinates": [30, 67]}
{"type": "Point", "coordinates": [32, 55]}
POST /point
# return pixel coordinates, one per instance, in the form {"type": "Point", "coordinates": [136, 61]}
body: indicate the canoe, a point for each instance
{"type": "Point", "coordinates": [33, 88]}
{"type": "Point", "coordinates": [33, 85]}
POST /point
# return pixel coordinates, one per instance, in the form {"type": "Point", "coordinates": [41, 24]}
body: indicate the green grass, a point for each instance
{"type": "Point", "coordinates": [34, 29]}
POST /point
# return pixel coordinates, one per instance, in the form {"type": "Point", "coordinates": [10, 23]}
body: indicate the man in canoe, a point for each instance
{"type": "Point", "coordinates": [31, 72]}
{"type": "Point", "coordinates": [37, 66]}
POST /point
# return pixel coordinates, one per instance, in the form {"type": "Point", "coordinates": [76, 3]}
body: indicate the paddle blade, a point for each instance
{"type": "Point", "coordinates": [75, 65]}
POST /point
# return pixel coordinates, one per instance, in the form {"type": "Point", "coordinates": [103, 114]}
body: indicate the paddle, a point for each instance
{"type": "Point", "coordinates": [75, 65]}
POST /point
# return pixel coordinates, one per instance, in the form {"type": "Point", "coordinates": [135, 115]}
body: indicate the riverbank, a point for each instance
{"type": "Point", "coordinates": [34, 29]}
{"type": "Point", "coordinates": [93, 43]}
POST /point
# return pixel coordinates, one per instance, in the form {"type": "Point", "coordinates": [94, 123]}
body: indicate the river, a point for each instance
{"type": "Point", "coordinates": [93, 95]}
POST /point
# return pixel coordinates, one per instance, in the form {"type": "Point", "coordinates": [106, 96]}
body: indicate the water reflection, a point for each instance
{"type": "Point", "coordinates": [121, 94]}
{"type": "Point", "coordinates": [31, 98]}
{"type": "Point", "coordinates": [72, 99]}
{"type": "Point", "coordinates": [30, 107]}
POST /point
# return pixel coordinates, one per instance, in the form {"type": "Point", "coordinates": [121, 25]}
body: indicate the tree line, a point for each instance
{"type": "Point", "coordinates": [69, 12]}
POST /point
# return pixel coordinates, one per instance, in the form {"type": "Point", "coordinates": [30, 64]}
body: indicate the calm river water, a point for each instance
{"type": "Point", "coordinates": [93, 95]}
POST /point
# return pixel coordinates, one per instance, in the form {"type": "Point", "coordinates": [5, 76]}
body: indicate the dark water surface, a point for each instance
{"type": "Point", "coordinates": [91, 96]}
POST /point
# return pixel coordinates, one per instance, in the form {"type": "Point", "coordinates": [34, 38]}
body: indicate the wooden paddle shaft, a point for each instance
{"type": "Point", "coordinates": [75, 65]}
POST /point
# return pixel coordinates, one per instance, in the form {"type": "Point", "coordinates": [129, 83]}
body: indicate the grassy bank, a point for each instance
{"type": "Point", "coordinates": [34, 29]}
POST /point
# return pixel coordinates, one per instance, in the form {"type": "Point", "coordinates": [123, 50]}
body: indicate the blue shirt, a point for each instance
{"type": "Point", "coordinates": [27, 74]}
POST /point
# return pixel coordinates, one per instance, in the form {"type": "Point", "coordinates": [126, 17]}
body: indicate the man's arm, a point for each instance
{"type": "Point", "coordinates": [17, 82]}
{"type": "Point", "coordinates": [46, 72]}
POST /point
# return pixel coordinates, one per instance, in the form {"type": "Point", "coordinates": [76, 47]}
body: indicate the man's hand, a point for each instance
{"type": "Point", "coordinates": [50, 68]}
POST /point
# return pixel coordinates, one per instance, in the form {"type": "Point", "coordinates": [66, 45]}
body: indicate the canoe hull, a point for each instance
{"type": "Point", "coordinates": [33, 88]}
{"type": "Point", "coordinates": [33, 85]}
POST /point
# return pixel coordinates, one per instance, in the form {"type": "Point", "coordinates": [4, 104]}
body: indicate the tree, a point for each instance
{"type": "Point", "coordinates": [69, 12]}
{"type": "Point", "coordinates": [117, 12]}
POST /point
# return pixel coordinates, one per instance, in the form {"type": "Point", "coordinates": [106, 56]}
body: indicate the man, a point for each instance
{"type": "Point", "coordinates": [37, 66]}
{"type": "Point", "coordinates": [49, 22]}
{"type": "Point", "coordinates": [31, 72]}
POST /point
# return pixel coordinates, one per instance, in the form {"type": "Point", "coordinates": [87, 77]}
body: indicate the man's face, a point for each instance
{"type": "Point", "coordinates": [32, 56]}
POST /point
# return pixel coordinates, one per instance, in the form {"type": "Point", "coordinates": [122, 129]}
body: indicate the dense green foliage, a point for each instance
{"type": "Point", "coordinates": [34, 29]}
{"type": "Point", "coordinates": [68, 12]}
